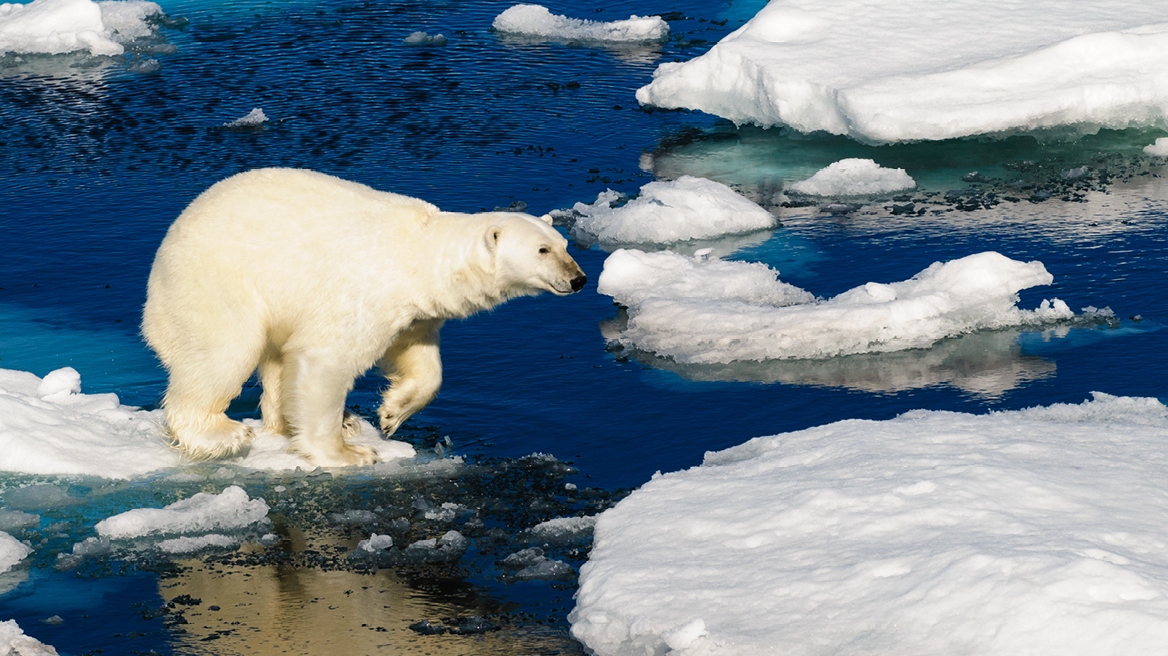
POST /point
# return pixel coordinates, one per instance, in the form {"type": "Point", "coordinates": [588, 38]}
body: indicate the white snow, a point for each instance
{"type": "Point", "coordinates": [897, 70]}
{"type": "Point", "coordinates": [202, 513]}
{"type": "Point", "coordinates": [1039, 531]}
{"type": "Point", "coordinates": [254, 118]}
{"type": "Point", "coordinates": [854, 177]}
{"type": "Point", "coordinates": [12, 551]}
{"type": "Point", "coordinates": [719, 311]}
{"type": "Point", "coordinates": [13, 642]}
{"type": "Point", "coordinates": [47, 426]}
{"type": "Point", "coordinates": [62, 26]}
{"type": "Point", "coordinates": [536, 20]}
{"type": "Point", "coordinates": [1158, 149]}
{"type": "Point", "coordinates": [665, 212]}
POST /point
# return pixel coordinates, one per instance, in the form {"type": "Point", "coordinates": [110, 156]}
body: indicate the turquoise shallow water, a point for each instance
{"type": "Point", "coordinates": [95, 161]}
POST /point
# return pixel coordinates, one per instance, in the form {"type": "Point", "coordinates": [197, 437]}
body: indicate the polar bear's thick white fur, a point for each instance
{"type": "Point", "coordinates": [314, 280]}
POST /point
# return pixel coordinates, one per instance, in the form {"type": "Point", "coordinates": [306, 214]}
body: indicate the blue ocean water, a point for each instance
{"type": "Point", "coordinates": [96, 161]}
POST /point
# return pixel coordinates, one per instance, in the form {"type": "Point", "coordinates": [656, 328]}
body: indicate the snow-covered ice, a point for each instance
{"type": "Point", "coordinates": [897, 70]}
{"type": "Point", "coordinates": [854, 177]}
{"type": "Point", "coordinates": [563, 529]}
{"type": "Point", "coordinates": [665, 212]}
{"type": "Point", "coordinates": [1037, 531]}
{"type": "Point", "coordinates": [202, 513]}
{"type": "Point", "coordinates": [12, 551]}
{"type": "Point", "coordinates": [536, 20]}
{"type": "Point", "coordinates": [13, 642]}
{"type": "Point", "coordinates": [1158, 149]}
{"type": "Point", "coordinates": [62, 26]}
{"type": "Point", "coordinates": [47, 426]}
{"type": "Point", "coordinates": [720, 311]}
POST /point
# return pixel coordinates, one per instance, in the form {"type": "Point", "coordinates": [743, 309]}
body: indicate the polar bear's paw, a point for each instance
{"type": "Point", "coordinates": [225, 442]}
{"type": "Point", "coordinates": [350, 425]}
{"type": "Point", "coordinates": [346, 456]}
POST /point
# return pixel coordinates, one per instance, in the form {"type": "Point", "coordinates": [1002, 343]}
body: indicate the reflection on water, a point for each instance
{"type": "Point", "coordinates": [227, 607]}
{"type": "Point", "coordinates": [984, 364]}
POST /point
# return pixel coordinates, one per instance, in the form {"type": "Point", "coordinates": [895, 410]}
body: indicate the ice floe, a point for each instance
{"type": "Point", "coordinates": [254, 118]}
{"type": "Point", "coordinates": [1036, 531]}
{"type": "Point", "coordinates": [897, 70]}
{"type": "Point", "coordinates": [670, 211]}
{"type": "Point", "coordinates": [720, 311]}
{"type": "Point", "coordinates": [62, 26]}
{"type": "Point", "coordinates": [202, 513]}
{"type": "Point", "coordinates": [424, 39]}
{"type": "Point", "coordinates": [1158, 149]}
{"type": "Point", "coordinates": [12, 551]}
{"type": "Point", "coordinates": [13, 641]}
{"type": "Point", "coordinates": [47, 426]}
{"type": "Point", "coordinates": [854, 177]}
{"type": "Point", "coordinates": [536, 20]}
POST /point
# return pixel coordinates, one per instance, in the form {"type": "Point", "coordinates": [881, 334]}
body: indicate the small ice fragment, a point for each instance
{"type": "Point", "coordinates": [853, 177]}
{"type": "Point", "coordinates": [15, 519]}
{"type": "Point", "coordinates": [536, 20]}
{"type": "Point", "coordinates": [376, 543]}
{"type": "Point", "coordinates": [232, 509]}
{"type": "Point", "coordinates": [1076, 173]}
{"type": "Point", "coordinates": [423, 39]}
{"type": "Point", "coordinates": [1158, 149]}
{"type": "Point", "coordinates": [254, 118]}
{"type": "Point", "coordinates": [54, 620]}
{"type": "Point", "coordinates": [12, 551]}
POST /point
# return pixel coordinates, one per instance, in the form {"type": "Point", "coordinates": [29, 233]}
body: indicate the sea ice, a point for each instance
{"type": "Point", "coordinates": [12, 551]}
{"type": "Point", "coordinates": [854, 177]}
{"type": "Point", "coordinates": [424, 39]}
{"type": "Point", "coordinates": [563, 529]}
{"type": "Point", "coordinates": [201, 513]}
{"type": "Point", "coordinates": [665, 212]}
{"type": "Point", "coordinates": [376, 543]}
{"type": "Point", "coordinates": [536, 20]}
{"type": "Point", "coordinates": [15, 519]}
{"type": "Point", "coordinates": [14, 642]}
{"type": "Point", "coordinates": [900, 70]}
{"type": "Point", "coordinates": [1037, 531]}
{"type": "Point", "coordinates": [1158, 149]}
{"type": "Point", "coordinates": [722, 311]}
{"type": "Point", "coordinates": [62, 26]}
{"type": "Point", "coordinates": [47, 426]}
{"type": "Point", "coordinates": [254, 118]}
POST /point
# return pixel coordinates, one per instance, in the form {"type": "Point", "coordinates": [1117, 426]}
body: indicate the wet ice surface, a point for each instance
{"type": "Point", "coordinates": [98, 159]}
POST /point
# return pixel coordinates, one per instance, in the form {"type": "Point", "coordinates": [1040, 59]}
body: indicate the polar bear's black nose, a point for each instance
{"type": "Point", "coordinates": [578, 282]}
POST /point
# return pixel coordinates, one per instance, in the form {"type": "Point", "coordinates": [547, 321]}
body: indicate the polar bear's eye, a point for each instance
{"type": "Point", "coordinates": [543, 250]}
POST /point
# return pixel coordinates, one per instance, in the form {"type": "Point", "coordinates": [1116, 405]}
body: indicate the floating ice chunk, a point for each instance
{"type": "Point", "coordinates": [202, 513]}
{"type": "Point", "coordinates": [353, 517]}
{"type": "Point", "coordinates": [190, 544]}
{"type": "Point", "coordinates": [375, 543]}
{"type": "Point", "coordinates": [62, 26]}
{"type": "Point", "coordinates": [536, 20]}
{"type": "Point", "coordinates": [546, 569]}
{"type": "Point", "coordinates": [1158, 149]}
{"type": "Point", "coordinates": [448, 548]}
{"type": "Point", "coordinates": [13, 642]}
{"type": "Point", "coordinates": [12, 551]}
{"type": "Point", "coordinates": [899, 70]}
{"type": "Point", "coordinates": [664, 212]}
{"type": "Point", "coordinates": [854, 177]}
{"type": "Point", "coordinates": [564, 529]}
{"type": "Point", "coordinates": [720, 311]}
{"type": "Point", "coordinates": [1037, 531]}
{"type": "Point", "coordinates": [424, 39]}
{"type": "Point", "coordinates": [15, 519]}
{"type": "Point", "coordinates": [254, 118]}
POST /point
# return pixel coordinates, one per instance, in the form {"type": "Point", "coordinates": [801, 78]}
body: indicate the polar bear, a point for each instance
{"type": "Point", "coordinates": [313, 280]}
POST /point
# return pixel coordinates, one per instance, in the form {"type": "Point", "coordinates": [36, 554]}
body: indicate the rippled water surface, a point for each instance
{"type": "Point", "coordinates": [96, 161]}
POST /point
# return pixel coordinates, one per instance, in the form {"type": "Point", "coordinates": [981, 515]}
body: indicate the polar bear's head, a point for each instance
{"type": "Point", "coordinates": [530, 256]}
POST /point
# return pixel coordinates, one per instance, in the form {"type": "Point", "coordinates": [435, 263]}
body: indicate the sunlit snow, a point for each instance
{"type": "Point", "coordinates": [61, 26]}
{"type": "Point", "coordinates": [1038, 531]}
{"type": "Point", "coordinates": [670, 211]}
{"type": "Point", "coordinates": [719, 311]}
{"type": "Point", "coordinates": [854, 177]}
{"type": "Point", "coordinates": [47, 426]}
{"type": "Point", "coordinates": [536, 20]}
{"type": "Point", "coordinates": [896, 70]}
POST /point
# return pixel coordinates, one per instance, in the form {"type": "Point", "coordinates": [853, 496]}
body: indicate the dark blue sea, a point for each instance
{"type": "Point", "coordinates": [97, 160]}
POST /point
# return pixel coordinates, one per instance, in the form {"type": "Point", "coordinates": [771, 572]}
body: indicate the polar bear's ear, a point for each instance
{"type": "Point", "coordinates": [546, 218]}
{"type": "Point", "coordinates": [492, 237]}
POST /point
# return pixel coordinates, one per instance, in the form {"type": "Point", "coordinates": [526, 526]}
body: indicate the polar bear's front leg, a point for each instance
{"type": "Point", "coordinates": [314, 388]}
{"type": "Point", "coordinates": [413, 366]}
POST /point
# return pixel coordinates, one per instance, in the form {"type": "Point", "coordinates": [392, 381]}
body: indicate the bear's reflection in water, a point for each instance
{"type": "Point", "coordinates": [233, 608]}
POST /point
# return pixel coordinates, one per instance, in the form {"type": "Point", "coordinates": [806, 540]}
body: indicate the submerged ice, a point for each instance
{"type": "Point", "coordinates": [1037, 531]}
{"type": "Point", "coordinates": [895, 70]}
{"type": "Point", "coordinates": [719, 311]}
